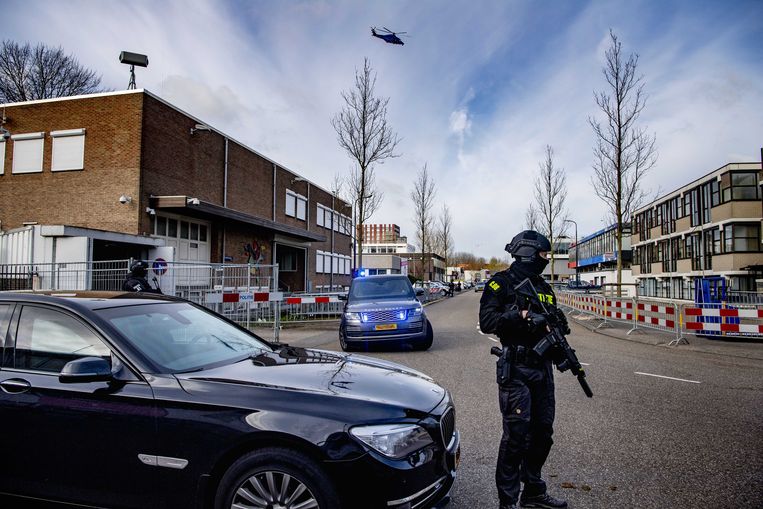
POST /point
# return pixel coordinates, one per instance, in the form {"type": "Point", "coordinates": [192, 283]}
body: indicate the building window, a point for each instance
{"type": "Point", "coordinates": [742, 238]}
{"type": "Point", "coordinates": [27, 152]}
{"type": "Point", "coordinates": [740, 186]}
{"type": "Point", "coordinates": [715, 193]}
{"type": "Point", "coordinates": [319, 215]}
{"type": "Point", "coordinates": [319, 262]}
{"type": "Point", "coordinates": [2, 156]}
{"type": "Point", "coordinates": [68, 150]}
{"type": "Point", "coordinates": [296, 205]}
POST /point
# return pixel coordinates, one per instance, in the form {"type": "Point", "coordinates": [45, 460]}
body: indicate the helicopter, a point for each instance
{"type": "Point", "coordinates": [388, 35]}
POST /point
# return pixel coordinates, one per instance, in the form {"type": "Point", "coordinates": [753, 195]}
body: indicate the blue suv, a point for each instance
{"type": "Point", "coordinates": [383, 310]}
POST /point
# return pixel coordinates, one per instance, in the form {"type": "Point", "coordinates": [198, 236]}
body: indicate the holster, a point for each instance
{"type": "Point", "coordinates": [503, 368]}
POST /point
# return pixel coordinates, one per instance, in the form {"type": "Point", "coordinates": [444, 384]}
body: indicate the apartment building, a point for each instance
{"type": "Point", "coordinates": [709, 227]}
{"type": "Point", "coordinates": [595, 257]}
{"type": "Point", "coordinates": [127, 174]}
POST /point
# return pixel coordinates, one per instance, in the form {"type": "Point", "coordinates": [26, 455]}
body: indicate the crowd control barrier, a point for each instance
{"type": "Point", "coordinates": [679, 318]}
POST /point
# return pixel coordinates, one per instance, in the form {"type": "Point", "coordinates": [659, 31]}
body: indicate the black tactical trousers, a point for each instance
{"type": "Point", "coordinates": [527, 406]}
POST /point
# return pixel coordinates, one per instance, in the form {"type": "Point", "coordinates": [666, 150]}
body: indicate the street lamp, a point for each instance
{"type": "Point", "coordinates": [577, 258]}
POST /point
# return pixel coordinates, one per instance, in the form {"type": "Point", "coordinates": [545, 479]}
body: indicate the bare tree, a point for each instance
{"type": "Point", "coordinates": [41, 72]}
{"type": "Point", "coordinates": [423, 195]}
{"type": "Point", "coordinates": [531, 218]}
{"type": "Point", "coordinates": [364, 133]}
{"type": "Point", "coordinates": [445, 234]}
{"type": "Point", "coordinates": [624, 152]}
{"type": "Point", "coordinates": [550, 195]}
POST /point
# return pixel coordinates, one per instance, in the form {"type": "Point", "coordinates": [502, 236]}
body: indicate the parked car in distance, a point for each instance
{"type": "Point", "coordinates": [384, 310]}
{"type": "Point", "coordinates": [146, 401]}
{"type": "Point", "coordinates": [581, 286]}
{"type": "Point", "coordinates": [479, 286]}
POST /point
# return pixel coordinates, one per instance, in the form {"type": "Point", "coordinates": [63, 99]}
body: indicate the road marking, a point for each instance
{"type": "Point", "coordinates": [668, 377]}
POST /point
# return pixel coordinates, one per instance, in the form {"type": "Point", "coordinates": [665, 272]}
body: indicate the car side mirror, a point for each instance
{"type": "Point", "coordinates": [342, 296]}
{"type": "Point", "coordinates": [86, 369]}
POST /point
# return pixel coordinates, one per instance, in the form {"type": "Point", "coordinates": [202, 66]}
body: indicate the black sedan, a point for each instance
{"type": "Point", "coordinates": [139, 401]}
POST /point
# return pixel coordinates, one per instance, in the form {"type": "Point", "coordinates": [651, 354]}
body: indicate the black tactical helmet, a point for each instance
{"type": "Point", "coordinates": [527, 244]}
{"type": "Point", "coordinates": [526, 248]}
{"type": "Point", "coordinates": [139, 268]}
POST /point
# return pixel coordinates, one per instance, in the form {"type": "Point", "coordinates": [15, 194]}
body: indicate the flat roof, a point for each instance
{"type": "Point", "coordinates": [727, 167]}
{"type": "Point", "coordinates": [169, 104]}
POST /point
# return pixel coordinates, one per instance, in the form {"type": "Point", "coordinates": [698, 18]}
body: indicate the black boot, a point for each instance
{"type": "Point", "coordinates": [508, 506]}
{"type": "Point", "coordinates": [545, 501]}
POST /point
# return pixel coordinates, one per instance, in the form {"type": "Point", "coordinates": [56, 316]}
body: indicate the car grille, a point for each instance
{"type": "Point", "coordinates": [448, 425]}
{"type": "Point", "coordinates": [387, 315]}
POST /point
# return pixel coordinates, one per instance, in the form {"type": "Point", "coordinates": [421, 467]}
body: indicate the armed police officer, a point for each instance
{"type": "Point", "coordinates": [136, 281]}
{"type": "Point", "coordinates": [526, 388]}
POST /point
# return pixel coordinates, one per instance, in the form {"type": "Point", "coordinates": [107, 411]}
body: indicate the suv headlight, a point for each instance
{"type": "Point", "coordinates": [352, 316]}
{"type": "Point", "coordinates": [393, 440]}
{"type": "Point", "coordinates": [416, 311]}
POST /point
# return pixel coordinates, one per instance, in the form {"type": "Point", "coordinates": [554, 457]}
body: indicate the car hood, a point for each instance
{"type": "Point", "coordinates": [329, 373]}
{"type": "Point", "coordinates": [381, 305]}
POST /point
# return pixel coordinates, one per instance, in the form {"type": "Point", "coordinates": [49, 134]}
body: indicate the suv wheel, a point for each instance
{"type": "Point", "coordinates": [276, 478]}
{"type": "Point", "coordinates": [344, 344]}
{"type": "Point", "coordinates": [429, 338]}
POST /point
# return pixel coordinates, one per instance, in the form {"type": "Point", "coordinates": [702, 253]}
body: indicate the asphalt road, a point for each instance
{"type": "Point", "coordinates": [641, 442]}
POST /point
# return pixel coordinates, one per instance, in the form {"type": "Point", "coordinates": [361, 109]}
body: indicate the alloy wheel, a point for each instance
{"type": "Point", "coordinates": [273, 490]}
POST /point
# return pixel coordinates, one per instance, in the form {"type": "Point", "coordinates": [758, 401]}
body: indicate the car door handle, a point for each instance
{"type": "Point", "coordinates": [15, 386]}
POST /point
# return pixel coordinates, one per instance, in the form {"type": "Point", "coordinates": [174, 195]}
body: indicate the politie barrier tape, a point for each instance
{"type": "Point", "coordinates": [218, 298]}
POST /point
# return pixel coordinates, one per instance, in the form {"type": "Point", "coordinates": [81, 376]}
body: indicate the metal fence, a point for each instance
{"type": "Point", "coordinates": [679, 318]}
{"type": "Point", "coordinates": [106, 275]}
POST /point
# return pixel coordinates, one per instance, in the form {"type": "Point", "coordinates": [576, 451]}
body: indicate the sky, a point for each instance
{"type": "Point", "coordinates": [476, 93]}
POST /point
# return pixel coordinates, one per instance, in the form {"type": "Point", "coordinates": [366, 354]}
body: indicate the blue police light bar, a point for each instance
{"type": "Point", "coordinates": [359, 272]}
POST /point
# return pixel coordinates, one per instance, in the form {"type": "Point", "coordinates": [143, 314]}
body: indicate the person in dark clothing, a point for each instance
{"type": "Point", "coordinates": [526, 399]}
{"type": "Point", "coordinates": [451, 288]}
{"type": "Point", "coordinates": [136, 280]}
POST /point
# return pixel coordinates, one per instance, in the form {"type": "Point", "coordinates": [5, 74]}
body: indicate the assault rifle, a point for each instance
{"type": "Point", "coordinates": [562, 354]}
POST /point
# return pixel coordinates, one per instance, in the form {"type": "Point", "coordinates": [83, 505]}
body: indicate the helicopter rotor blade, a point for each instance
{"type": "Point", "coordinates": [388, 30]}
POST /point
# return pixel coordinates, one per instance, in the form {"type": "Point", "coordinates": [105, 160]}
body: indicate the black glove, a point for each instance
{"type": "Point", "coordinates": [565, 326]}
{"type": "Point", "coordinates": [536, 322]}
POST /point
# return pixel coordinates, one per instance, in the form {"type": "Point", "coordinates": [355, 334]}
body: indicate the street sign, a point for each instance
{"type": "Point", "coordinates": [159, 266]}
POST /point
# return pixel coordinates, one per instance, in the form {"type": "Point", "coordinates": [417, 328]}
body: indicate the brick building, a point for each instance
{"type": "Point", "coordinates": [123, 174]}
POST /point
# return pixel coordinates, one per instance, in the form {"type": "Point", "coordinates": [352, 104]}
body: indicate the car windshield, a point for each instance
{"type": "Point", "coordinates": [381, 288]}
{"type": "Point", "coordinates": [180, 337]}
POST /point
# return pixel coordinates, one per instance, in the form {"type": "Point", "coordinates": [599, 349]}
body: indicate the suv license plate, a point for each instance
{"type": "Point", "coordinates": [386, 326]}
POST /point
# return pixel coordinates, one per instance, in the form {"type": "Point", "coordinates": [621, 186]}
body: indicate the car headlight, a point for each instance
{"type": "Point", "coordinates": [393, 440]}
{"type": "Point", "coordinates": [352, 316]}
{"type": "Point", "coordinates": [416, 311]}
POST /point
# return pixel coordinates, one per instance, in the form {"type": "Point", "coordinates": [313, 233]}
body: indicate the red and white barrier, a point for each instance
{"type": "Point", "coordinates": [312, 300]}
{"type": "Point", "coordinates": [619, 309]}
{"type": "Point", "coordinates": [233, 297]}
{"type": "Point", "coordinates": [651, 314]}
{"type": "Point", "coordinates": [693, 322]}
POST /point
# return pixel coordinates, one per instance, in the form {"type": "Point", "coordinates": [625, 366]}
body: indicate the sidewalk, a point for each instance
{"type": "Point", "coordinates": [725, 345]}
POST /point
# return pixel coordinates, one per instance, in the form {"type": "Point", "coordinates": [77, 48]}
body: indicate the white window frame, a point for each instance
{"type": "Point", "coordinates": [2, 156]}
{"type": "Point", "coordinates": [291, 199]}
{"type": "Point", "coordinates": [301, 207]}
{"type": "Point", "coordinates": [72, 140]}
{"type": "Point", "coordinates": [319, 215]}
{"type": "Point", "coordinates": [28, 138]}
{"type": "Point", "coordinates": [319, 262]}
